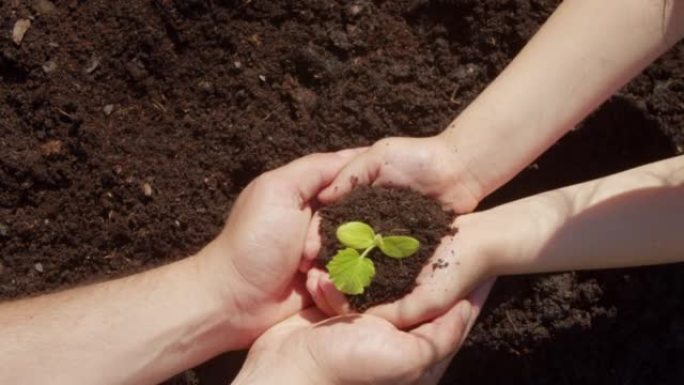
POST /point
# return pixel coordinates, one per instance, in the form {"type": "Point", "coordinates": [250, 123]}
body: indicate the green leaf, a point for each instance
{"type": "Point", "coordinates": [350, 273]}
{"type": "Point", "coordinates": [399, 246]}
{"type": "Point", "coordinates": [356, 235]}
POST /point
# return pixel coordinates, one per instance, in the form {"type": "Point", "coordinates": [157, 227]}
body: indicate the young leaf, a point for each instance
{"type": "Point", "coordinates": [350, 273]}
{"type": "Point", "coordinates": [356, 235]}
{"type": "Point", "coordinates": [399, 246]}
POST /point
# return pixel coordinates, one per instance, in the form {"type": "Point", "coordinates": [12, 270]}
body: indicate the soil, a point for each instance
{"type": "Point", "coordinates": [388, 212]}
{"type": "Point", "coordinates": [128, 128]}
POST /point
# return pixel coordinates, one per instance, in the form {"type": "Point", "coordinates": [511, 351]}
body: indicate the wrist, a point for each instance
{"type": "Point", "coordinates": [476, 247]}
{"type": "Point", "coordinates": [479, 154]}
{"type": "Point", "coordinates": [224, 288]}
{"type": "Point", "coordinates": [457, 174]}
{"type": "Point", "coordinates": [513, 236]}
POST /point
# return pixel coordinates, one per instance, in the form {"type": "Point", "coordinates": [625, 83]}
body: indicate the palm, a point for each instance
{"type": "Point", "coordinates": [371, 345]}
{"type": "Point", "coordinates": [359, 349]}
{"type": "Point", "coordinates": [272, 235]}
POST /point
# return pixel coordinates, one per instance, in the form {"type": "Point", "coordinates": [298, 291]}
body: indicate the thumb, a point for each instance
{"type": "Point", "coordinates": [443, 336]}
{"type": "Point", "coordinates": [309, 174]}
{"type": "Point", "coordinates": [362, 170]}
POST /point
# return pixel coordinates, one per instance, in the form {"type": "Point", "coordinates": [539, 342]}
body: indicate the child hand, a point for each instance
{"type": "Point", "coordinates": [460, 263]}
{"type": "Point", "coordinates": [427, 165]}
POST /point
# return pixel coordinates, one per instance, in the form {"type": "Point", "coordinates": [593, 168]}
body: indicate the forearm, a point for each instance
{"type": "Point", "coordinates": [136, 330]}
{"type": "Point", "coordinates": [628, 219]}
{"type": "Point", "coordinates": [585, 52]}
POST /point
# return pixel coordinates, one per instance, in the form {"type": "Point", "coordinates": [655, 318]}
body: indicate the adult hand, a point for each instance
{"type": "Point", "coordinates": [358, 349]}
{"type": "Point", "coordinates": [428, 165]}
{"type": "Point", "coordinates": [253, 263]}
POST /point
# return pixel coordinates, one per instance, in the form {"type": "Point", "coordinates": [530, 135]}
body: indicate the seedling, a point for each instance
{"type": "Point", "coordinates": [351, 271]}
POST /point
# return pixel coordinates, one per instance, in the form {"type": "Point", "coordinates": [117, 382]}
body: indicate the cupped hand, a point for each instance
{"type": "Point", "coordinates": [460, 263]}
{"type": "Point", "coordinates": [253, 262]}
{"type": "Point", "coordinates": [428, 165]}
{"type": "Point", "coordinates": [359, 349]}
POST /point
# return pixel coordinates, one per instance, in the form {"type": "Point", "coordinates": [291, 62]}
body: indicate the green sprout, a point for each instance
{"type": "Point", "coordinates": [351, 271]}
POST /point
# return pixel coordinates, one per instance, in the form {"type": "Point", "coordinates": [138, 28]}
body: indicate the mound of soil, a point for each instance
{"type": "Point", "coordinates": [127, 128]}
{"type": "Point", "coordinates": [389, 212]}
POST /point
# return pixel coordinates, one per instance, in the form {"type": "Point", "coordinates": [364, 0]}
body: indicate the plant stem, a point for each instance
{"type": "Point", "coordinates": [368, 250]}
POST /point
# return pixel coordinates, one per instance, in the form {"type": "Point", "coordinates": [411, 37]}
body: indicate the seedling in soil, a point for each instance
{"type": "Point", "coordinates": [351, 271]}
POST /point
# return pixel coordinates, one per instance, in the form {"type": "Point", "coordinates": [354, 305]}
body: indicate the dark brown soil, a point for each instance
{"type": "Point", "coordinates": [205, 95]}
{"type": "Point", "coordinates": [388, 212]}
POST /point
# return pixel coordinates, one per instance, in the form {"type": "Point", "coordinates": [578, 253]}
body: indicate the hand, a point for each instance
{"type": "Point", "coordinates": [466, 259]}
{"type": "Point", "coordinates": [253, 263]}
{"type": "Point", "coordinates": [428, 165]}
{"type": "Point", "coordinates": [431, 167]}
{"type": "Point", "coordinates": [358, 349]}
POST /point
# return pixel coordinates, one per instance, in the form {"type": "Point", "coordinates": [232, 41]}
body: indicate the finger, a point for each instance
{"type": "Point", "coordinates": [360, 171]}
{"type": "Point", "coordinates": [424, 303]}
{"type": "Point", "coordinates": [317, 295]}
{"type": "Point", "coordinates": [443, 336]}
{"type": "Point", "coordinates": [312, 246]}
{"type": "Point", "coordinates": [431, 298]}
{"type": "Point", "coordinates": [434, 294]}
{"type": "Point", "coordinates": [435, 340]}
{"type": "Point", "coordinates": [434, 374]}
{"type": "Point", "coordinates": [477, 299]}
{"type": "Point", "coordinates": [335, 299]}
{"type": "Point", "coordinates": [305, 265]}
{"type": "Point", "coordinates": [414, 308]}
{"type": "Point", "coordinates": [311, 173]}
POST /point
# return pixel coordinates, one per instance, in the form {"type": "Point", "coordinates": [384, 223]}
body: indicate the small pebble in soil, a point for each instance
{"type": "Point", "coordinates": [136, 69]}
{"type": "Point", "coordinates": [237, 65]}
{"type": "Point", "coordinates": [52, 147]}
{"type": "Point", "coordinates": [354, 9]}
{"type": "Point", "coordinates": [50, 66]}
{"type": "Point", "coordinates": [206, 86]}
{"type": "Point", "coordinates": [262, 78]}
{"type": "Point", "coordinates": [20, 29]}
{"type": "Point", "coordinates": [147, 189]}
{"type": "Point", "coordinates": [39, 267]}
{"type": "Point", "coordinates": [93, 65]}
{"type": "Point", "coordinates": [4, 230]}
{"type": "Point", "coordinates": [108, 109]}
{"type": "Point", "coordinates": [44, 7]}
